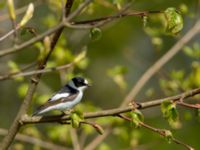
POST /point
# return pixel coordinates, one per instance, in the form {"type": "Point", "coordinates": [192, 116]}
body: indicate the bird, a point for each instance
{"type": "Point", "coordinates": [66, 98]}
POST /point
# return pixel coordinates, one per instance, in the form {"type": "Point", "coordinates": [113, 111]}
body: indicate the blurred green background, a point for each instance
{"type": "Point", "coordinates": [113, 63]}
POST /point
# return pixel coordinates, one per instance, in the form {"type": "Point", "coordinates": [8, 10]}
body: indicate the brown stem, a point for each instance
{"type": "Point", "coordinates": [13, 31]}
{"type": "Point", "coordinates": [197, 106]}
{"type": "Point", "coordinates": [29, 73]}
{"type": "Point", "coordinates": [159, 131]}
{"type": "Point", "coordinates": [162, 133]}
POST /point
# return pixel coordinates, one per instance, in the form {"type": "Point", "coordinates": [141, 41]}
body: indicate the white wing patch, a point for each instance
{"type": "Point", "coordinates": [58, 96]}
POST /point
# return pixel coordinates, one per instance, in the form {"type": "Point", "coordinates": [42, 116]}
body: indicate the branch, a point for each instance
{"type": "Point", "coordinates": [31, 41]}
{"type": "Point", "coordinates": [162, 132]}
{"type": "Point", "coordinates": [87, 24]}
{"type": "Point", "coordinates": [109, 112]}
{"type": "Point", "coordinates": [66, 23]}
{"type": "Point", "coordinates": [34, 72]}
{"type": "Point", "coordinates": [75, 140]}
{"type": "Point", "coordinates": [13, 31]}
{"type": "Point", "coordinates": [197, 106]}
{"type": "Point", "coordinates": [78, 10]}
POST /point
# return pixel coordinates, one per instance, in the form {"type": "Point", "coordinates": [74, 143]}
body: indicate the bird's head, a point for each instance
{"type": "Point", "coordinates": [79, 83]}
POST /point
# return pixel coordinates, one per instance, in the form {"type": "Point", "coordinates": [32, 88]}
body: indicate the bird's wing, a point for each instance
{"type": "Point", "coordinates": [64, 92]}
{"type": "Point", "coordinates": [58, 96]}
{"type": "Point", "coordinates": [55, 102]}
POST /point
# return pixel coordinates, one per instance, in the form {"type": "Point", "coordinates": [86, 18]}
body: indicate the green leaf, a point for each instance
{"type": "Point", "coordinates": [183, 8]}
{"type": "Point", "coordinates": [22, 89]}
{"type": "Point", "coordinates": [28, 15]}
{"type": "Point", "coordinates": [157, 41]}
{"type": "Point", "coordinates": [117, 70]}
{"type": "Point", "coordinates": [117, 74]}
{"type": "Point", "coordinates": [76, 118]}
{"type": "Point", "coordinates": [193, 52]}
{"type": "Point", "coordinates": [174, 20]}
{"type": "Point", "coordinates": [118, 3]}
{"type": "Point", "coordinates": [58, 133]}
{"type": "Point", "coordinates": [104, 146]}
{"type": "Point", "coordinates": [168, 135]}
{"type": "Point", "coordinates": [177, 75]}
{"type": "Point", "coordinates": [95, 34]}
{"type": "Point", "coordinates": [11, 9]}
{"type": "Point", "coordinates": [195, 75]}
{"type": "Point", "coordinates": [145, 20]}
{"type": "Point", "coordinates": [13, 66]}
{"type": "Point", "coordinates": [136, 117]}
{"type": "Point", "coordinates": [80, 56]}
{"type": "Point", "coordinates": [18, 146]}
{"type": "Point", "coordinates": [170, 112]}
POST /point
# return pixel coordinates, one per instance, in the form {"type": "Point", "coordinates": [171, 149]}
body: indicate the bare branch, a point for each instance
{"type": "Point", "coordinates": [31, 41]}
{"type": "Point", "coordinates": [13, 31]}
{"type": "Point", "coordinates": [181, 103]}
{"type": "Point", "coordinates": [162, 132]}
{"type": "Point", "coordinates": [75, 141]}
{"type": "Point", "coordinates": [78, 10]}
{"type": "Point", "coordinates": [109, 112]}
{"type": "Point", "coordinates": [87, 24]}
{"type": "Point", "coordinates": [83, 24]}
{"type": "Point", "coordinates": [29, 73]}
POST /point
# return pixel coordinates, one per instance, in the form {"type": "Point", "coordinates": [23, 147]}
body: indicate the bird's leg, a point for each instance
{"type": "Point", "coordinates": [67, 112]}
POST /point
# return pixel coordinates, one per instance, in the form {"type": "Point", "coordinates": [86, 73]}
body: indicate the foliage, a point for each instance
{"type": "Point", "coordinates": [170, 113]}
{"type": "Point", "coordinates": [118, 52]}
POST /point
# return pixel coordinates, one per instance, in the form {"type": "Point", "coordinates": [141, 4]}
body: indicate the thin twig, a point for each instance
{"type": "Point", "coordinates": [13, 31]}
{"type": "Point", "coordinates": [75, 141]}
{"type": "Point", "coordinates": [197, 106]}
{"type": "Point", "coordinates": [162, 133]}
{"type": "Point", "coordinates": [101, 21]}
{"type": "Point", "coordinates": [78, 10]}
{"type": "Point", "coordinates": [66, 22]}
{"type": "Point", "coordinates": [159, 131]}
{"type": "Point", "coordinates": [11, 74]}
{"type": "Point", "coordinates": [20, 47]}
{"type": "Point", "coordinates": [29, 73]}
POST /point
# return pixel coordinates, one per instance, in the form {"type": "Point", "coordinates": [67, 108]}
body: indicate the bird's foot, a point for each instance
{"type": "Point", "coordinates": [67, 112]}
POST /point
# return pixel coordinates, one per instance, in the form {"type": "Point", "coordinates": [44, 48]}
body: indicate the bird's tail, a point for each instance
{"type": "Point", "coordinates": [36, 113]}
{"type": "Point", "coordinates": [39, 111]}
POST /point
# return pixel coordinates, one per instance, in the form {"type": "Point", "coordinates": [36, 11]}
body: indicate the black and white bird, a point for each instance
{"type": "Point", "coordinates": [65, 99]}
